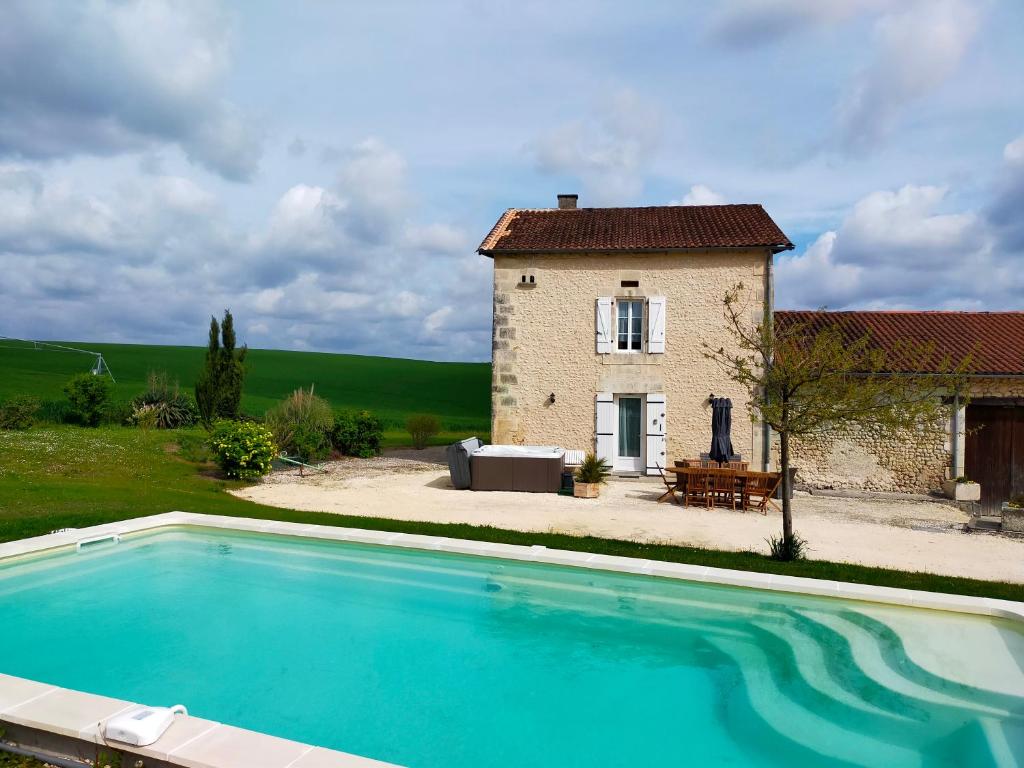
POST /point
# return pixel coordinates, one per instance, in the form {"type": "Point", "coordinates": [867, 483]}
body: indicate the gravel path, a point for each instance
{"type": "Point", "coordinates": [905, 534]}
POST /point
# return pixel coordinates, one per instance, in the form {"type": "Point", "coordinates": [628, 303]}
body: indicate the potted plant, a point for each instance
{"type": "Point", "coordinates": [961, 489]}
{"type": "Point", "coordinates": [590, 476]}
{"type": "Point", "coordinates": [1013, 514]}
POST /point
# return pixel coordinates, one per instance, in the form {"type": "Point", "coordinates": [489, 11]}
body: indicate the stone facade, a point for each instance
{"type": "Point", "coordinates": [869, 460]}
{"type": "Point", "coordinates": [544, 343]}
{"type": "Point", "coordinates": [907, 463]}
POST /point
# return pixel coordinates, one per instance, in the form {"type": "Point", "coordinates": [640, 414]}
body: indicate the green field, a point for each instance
{"type": "Point", "coordinates": [457, 393]}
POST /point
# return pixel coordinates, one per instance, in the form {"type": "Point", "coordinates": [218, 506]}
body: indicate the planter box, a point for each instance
{"type": "Point", "coordinates": [1013, 518]}
{"type": "Point", "coordinates": [586, 490]}
{"type": "Point", "coordinates": [961, 491]}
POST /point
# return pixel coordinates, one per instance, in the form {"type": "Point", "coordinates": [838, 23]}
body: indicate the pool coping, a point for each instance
{"type": "Point", "coordinates": [193, 742]}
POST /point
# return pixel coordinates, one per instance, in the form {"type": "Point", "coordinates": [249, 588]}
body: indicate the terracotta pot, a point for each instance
{"type": "Point", "coordinates": [586, 490]}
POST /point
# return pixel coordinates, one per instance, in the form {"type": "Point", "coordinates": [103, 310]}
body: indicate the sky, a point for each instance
{"type": "Point", "coordinates": [326, 170]}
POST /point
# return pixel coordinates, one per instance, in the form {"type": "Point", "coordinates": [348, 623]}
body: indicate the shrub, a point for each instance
{"type": "Point", "coordinates": [421, 428]}
{"type": "Point", "coordinates": [787, 550]}
{"type": "Point", "coordinates": [357, 433]}
{"type": "Point", "coordinates": [55, 412]}
{"type": "Point", "coordinates": [163, 405]}
{"type": "Point", "coordinates": [592, 469]}
{"type": "Point", "coordinates": [19, 412]}
{"type": "Point", "coordinates": [243, 449]}
{"type": "Point", "coordinates": [117, 412]}
{"type": "Point", "coordinates": [88, 395]}
{"type": "Point", "coordinates": [1017, 501]}
{"type": "Point", "coordinates": [302, 424]}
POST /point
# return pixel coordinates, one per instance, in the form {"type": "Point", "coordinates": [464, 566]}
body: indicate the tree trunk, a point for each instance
{"type": "Point", "coordinates": [787, 507]}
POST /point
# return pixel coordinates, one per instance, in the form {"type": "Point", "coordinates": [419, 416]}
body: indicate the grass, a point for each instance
{"type": "Point", "coordinates": [7, 760]}
{"type": "Point", "coordinates": [457, 393]}
{"type": "Point", "coordinates": [60, 477]}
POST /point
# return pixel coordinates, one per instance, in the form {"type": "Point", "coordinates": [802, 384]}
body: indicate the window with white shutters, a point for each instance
{"type": "Point", "coordinates": [629, 330]}
{"type": "Point", "coordinates": [603, 325]}
{"type": "Point", "coordinates": [656, 324]}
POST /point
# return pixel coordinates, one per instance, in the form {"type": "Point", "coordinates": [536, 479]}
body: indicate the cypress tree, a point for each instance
{"type": "Point", "coordinates": [219, 385]}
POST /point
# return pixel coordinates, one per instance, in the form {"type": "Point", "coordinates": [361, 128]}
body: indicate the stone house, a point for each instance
{"type": "Point", "coordinates": [600, 316]}
{"type": "Point", "coordinates": [599, 319]}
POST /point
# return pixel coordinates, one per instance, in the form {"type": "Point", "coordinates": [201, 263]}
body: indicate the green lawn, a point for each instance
{"type": "Point", "coordinates": [58, 477]}
{"type": "Point", "coordinates": [457, 393]}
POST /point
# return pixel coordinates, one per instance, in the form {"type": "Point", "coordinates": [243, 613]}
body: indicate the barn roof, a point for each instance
{"type": "Point", "coordinates": [993, 340]}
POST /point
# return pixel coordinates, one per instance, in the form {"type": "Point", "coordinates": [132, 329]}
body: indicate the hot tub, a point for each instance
{"type": "Point", "coordinates": [534, 468]}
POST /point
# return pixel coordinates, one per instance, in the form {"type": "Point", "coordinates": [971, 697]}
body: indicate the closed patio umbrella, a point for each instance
{"type": "Point", "coordinates": [721, 426]}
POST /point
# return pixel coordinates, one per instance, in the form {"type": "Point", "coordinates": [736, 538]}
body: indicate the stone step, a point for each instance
{"type": "Point", "coordinates": [985, 523]}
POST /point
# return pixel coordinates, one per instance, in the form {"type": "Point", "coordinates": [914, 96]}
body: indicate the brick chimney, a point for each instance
{"type": "Point", "coordinates": [567, 202]}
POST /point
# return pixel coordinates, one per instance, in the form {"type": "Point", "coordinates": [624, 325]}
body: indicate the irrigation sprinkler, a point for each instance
{"type": "Point", "coordinates": [99, 366]}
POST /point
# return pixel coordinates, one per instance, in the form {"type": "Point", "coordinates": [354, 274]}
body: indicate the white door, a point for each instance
{"type": "Point", "coordinates": [630, 435]}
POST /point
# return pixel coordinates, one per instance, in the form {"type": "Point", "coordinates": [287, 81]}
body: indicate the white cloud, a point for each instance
{"type": "Point", "coordinates": [916, 48]}
{"type": "Point", "coordinates": [107, 77]}
{"type": "Point", "coordinates": [700, 195]}
{"type": "Point", "coordinates": [304, 220]}
{"type": "Point", "coordinates": [434, 323]}
{"type": "Point", "coordinates": [608, 152]}
{"type": "Point", "coordinates": [1014, 151]}
{"type": "Point", "coordinates": [162, 251]}
{"type": "Point", "coordinates": [895, 249]}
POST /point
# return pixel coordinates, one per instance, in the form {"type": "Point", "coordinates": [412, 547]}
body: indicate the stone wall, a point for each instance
{"type": "Point", "coordinates": [872, 461]}
{"type": "Point", "coordinates": [544, 343]}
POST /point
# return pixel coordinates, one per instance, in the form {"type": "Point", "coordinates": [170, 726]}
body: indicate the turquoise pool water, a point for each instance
{"type": "Point", "coordinates": [434, 660]}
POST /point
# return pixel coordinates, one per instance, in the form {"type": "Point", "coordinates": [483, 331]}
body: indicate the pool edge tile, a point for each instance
{"type": "Point", "coordinates": [227, 746]}
{"type": "Point", "coordinates": [183, 731]}
{"type": "Point", "coordinates": [66, 712]}
{"type": "Point", "coordinates": [17, 691]}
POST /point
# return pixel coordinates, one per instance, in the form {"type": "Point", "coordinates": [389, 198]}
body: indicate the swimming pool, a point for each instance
{"type": "Point", "coordinates": [431, 659]}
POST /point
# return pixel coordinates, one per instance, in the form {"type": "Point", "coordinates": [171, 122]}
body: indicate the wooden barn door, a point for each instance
{"type": "Point", "coordinates": [994, 452]}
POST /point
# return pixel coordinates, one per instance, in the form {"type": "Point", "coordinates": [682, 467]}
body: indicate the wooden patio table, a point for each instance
{"type": "Point", "coordinates": [741, 475]}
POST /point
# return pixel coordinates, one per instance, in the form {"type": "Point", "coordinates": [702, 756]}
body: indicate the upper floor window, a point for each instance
{"type": "Point", "coordinates": [630, 327]}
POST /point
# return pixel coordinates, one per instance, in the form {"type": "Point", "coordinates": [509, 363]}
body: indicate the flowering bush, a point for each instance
{"type": "Point", "coordinates": [244, 449]}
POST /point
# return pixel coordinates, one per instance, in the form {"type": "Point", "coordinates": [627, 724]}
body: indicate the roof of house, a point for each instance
{"type": "Point", "coordinates": [660, 228]}
{"type": "Point", "coordinates": [993, 340]}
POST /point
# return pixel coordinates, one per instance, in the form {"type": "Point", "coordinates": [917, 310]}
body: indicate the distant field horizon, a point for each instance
{"type": "Point", "coordinates": [392, 387]}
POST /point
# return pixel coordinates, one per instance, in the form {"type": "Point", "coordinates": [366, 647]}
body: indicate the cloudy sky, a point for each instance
{"type": "Point", "coordinates": [326, 170]}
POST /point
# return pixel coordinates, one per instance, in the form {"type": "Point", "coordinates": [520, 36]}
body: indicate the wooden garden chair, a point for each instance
{"type": "Point", "coordinates": [697, 487]}
{"type": "Point", "coordinates": [761, 489]}
{"type": "Point", "coordinates": [672, 486]}
{"type": "Point", "coordinates": [723, 487]}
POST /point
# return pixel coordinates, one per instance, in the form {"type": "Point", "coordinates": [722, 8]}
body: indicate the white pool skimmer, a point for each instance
{"type": "Point", "coordinates": [141, 726]}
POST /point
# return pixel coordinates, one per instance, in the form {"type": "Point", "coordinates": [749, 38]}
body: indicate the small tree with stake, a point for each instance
{"type": "Point", "coordinates": [803, 380]}
{"type": "Point", "coordinates": [219, 386]}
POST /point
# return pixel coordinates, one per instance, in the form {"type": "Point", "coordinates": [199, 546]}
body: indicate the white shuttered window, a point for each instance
{"type": "Point", "coordinates": [603, 325]}
{"type": "Point", "coordinates": [656, 324]}
{"type": "Point", "coordinates": [657, 455]}
{"type": "Point", "coordinates": [605, 426]}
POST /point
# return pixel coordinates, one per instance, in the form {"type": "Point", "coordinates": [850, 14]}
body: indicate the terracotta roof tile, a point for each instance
{"type": "Point", "coordinates": [994, 340]}
{"type": "Point", "coordinates": [626, 229]}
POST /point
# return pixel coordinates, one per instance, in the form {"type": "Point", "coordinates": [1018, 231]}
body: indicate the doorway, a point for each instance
{"type": "Point", "coordinates": [629, 434]}
{"type": "Point", "coordinates": [994, 452]}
